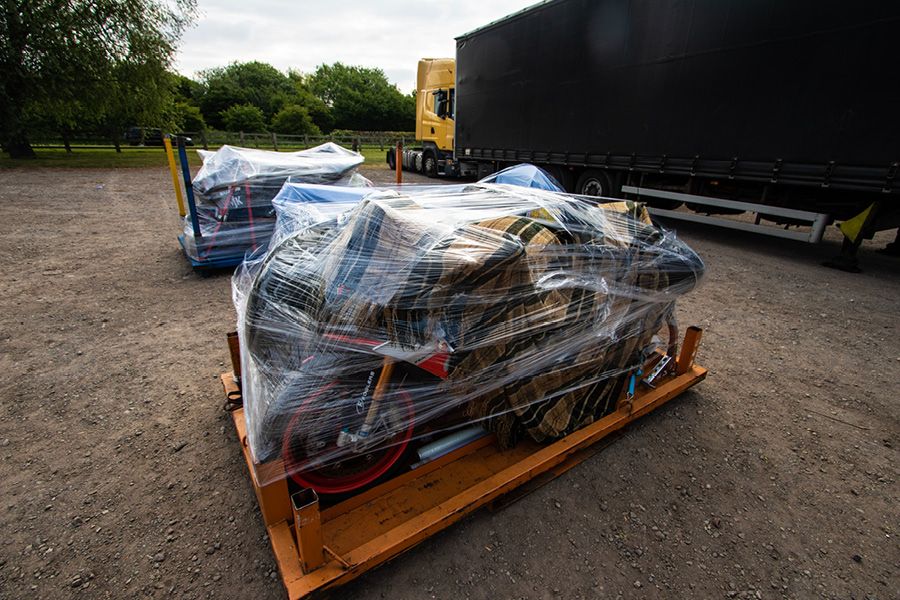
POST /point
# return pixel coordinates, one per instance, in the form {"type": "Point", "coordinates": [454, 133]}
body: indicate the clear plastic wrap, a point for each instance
{"type": "Point", "coordinates": [525, 175]}
{"type": "Point", "coordinates": [235, 187]}
{"type": "Point", "coordinates": [368, 333]}
{"type": "Point", "coordinates": [300, 205]}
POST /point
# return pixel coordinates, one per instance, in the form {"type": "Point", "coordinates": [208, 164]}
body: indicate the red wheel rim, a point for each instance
{"type": "Point", "coordinates": [323, 484]}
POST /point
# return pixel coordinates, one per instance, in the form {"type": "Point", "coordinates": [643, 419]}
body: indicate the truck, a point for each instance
{"type": "Point", "coordinates": [702, 108]}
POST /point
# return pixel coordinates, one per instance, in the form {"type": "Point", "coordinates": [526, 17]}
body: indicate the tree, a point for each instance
{"type": "Point", "coordinates": [51, 119]}
{"type": "Point", "coordinates": [294, 120]}
{"type": "Point", "coordinates": [362, 98]}
{"type": "Point", "coordinates": [303, 96]}
{"type": "Point", "coordinates": [186, 89]}
{"type": "Point", "coordinates": [255, 83]}
{"type": "Point", "coordinates": [244, 117]}
{"type": "Point", "coordinates": [186, 114]}
{"type": "Point", "coordinates": [261, 85]}
{"type": "Point", "coordinates": [189, 118]}
{"type": "Point", "coordinates": [55, 54]}
{"type": "Point", "coordinates": [136, 93]}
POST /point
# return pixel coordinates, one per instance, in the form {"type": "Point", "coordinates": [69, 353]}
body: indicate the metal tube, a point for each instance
{"type": "Point", "coordinates": [234, 348]}
{"type": "Point", "coordinates": [167, 142]}
{"type": "Point", "coordinates": [189, 188]}
{"type": "Point", "coordinates": [449, 443]}
{"type": "Point", "coordinates": [688, 349]}
{"type": "Point", "coordinates": [308, 529]}
{"type": "Point", "coordinates": [818, 229]}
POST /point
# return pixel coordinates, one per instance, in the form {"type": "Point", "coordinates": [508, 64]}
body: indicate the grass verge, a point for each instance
{"type": "Point", "coordinates": [108, 158]}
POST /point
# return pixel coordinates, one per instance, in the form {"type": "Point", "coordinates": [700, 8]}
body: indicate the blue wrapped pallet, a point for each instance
{"type": "Point", "coordinates": [232, 210]}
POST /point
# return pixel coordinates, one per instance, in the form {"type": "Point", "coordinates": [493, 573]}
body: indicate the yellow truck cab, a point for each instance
{"type": "Point", "coordinates": [435, 98]}
{"type": "Point", "coordinates": [435, 104]}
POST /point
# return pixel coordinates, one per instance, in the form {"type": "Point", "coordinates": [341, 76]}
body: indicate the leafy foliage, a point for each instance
{"type": "Point", "coordinates": [189, 118]}
{"type": "Point", "coordinates": [67, 60]}
{"type": "Point", "coordinates": [136, 92]}
{"type": "Point", "coordinates": [318, 111]}
{"type": "Point", "coordinates": [362, 98]}
{"type": "Point", "coordinates": [186, 89]}
{"type": "Point", "coordinates": [294, 120]}
{"type": "Point", "coordinates": [103, 65]}
{"type": "Point", "coordinates": [261, 85]}
{"type": "Point", "coordinates": [254, 83]}
{"type": "Point", "coordinates": [347, 97]}
{"type": "Point", "coordinates": [244, 117]}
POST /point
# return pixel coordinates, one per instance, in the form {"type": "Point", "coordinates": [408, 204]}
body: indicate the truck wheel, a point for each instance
{"type": "Point", "coordinates": [593, 183]}
{"type": "Point", "coordinates": [392, 159]}
{"type": "Point", "coordinates": [429, 164]}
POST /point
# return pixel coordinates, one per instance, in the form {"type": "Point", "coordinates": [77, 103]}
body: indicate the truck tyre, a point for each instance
{"type": "Point", "coordinates": [392, 159]}
{"type": "Point", "coordinates": [429, 164]}
{"type": "Point", "coordinates": [593, 183]}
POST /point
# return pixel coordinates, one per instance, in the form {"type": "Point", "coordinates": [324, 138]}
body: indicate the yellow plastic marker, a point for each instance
{"type": "Point", "coordinates": [174, 171]}
{"type": "Point", "coordinates": [853, 227]}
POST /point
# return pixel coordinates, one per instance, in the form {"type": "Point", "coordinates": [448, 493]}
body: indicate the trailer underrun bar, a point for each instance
{"type": "Point", "coordinates": [816, 221]}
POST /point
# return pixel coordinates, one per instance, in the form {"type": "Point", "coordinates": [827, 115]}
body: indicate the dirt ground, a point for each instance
{"type": "Point", "coordinates": [121, 476]}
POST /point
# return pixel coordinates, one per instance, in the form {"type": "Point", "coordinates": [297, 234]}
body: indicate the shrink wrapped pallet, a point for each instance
{"type": "Point", "coordinates": [405, 314]}
{"type": "Point", "coordinates": [235, 187]}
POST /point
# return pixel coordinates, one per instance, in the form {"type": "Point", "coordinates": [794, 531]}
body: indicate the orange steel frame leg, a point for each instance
{"type": "Point", "coordinates": [234, 349]}
{"type": "Point", "coordinates": [398, 162]}
{"type": "Point", "coordinates": [308, 529]}
{"type": "Point", "coordinates": [302, 535]}
{"type": "Point", "coordinates": [688, 350]}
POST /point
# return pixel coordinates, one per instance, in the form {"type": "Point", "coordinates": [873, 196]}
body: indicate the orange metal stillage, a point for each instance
{"type": "Point", "coordinates": [317, 549]}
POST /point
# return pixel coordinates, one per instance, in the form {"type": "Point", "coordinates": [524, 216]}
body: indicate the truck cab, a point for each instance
{"type": "Point", "coordinates": [435, 100]}
{"type": "Point", "coordinates": [435, 110]}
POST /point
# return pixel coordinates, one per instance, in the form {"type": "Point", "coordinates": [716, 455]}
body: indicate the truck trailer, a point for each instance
{"type": "Point", "coordinates": [700, 107]}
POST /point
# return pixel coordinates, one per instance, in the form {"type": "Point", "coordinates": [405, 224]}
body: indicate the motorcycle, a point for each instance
{"type": "Point", "coordinates": [521, 309]}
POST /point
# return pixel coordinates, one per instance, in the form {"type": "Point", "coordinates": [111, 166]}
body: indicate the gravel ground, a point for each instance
{"type": "Point", "coordinates": [776, 477]}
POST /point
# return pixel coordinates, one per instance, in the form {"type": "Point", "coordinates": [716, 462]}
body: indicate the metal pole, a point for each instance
{"type": "Point", "coordinates": [189, 188]}
{"type": "Point", "coordinates": [688, 350]}
{"type": "Point", "coordinates": [167, 142]}
{"type": "Point", "coordinates": [399, 162]}
{"type": "Point", "coordinates": [308, 529]}
{"type": "Point", "coordinates": [234, 349]}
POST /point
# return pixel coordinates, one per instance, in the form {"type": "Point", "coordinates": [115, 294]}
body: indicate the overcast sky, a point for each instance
{"type": "Point", "coordinates": [302, 34]}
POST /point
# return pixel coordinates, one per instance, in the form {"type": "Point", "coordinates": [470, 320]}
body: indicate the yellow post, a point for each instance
{"type": "Point", "coordinates": [174, 171]}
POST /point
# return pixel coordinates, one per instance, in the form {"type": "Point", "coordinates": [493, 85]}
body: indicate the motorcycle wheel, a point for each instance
{"type": "Point", "coordinates": [349, 473]}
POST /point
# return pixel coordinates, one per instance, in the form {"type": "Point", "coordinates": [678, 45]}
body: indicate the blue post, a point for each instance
{"type": "Point", "coordinates": [186, 171]}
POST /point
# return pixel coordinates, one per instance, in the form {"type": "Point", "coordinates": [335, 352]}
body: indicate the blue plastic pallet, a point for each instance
{"type": "Point", "coordinates": [211, 263]}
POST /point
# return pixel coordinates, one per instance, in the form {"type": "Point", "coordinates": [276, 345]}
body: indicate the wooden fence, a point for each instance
{"type": "Point", "coordinates": [214, 139]}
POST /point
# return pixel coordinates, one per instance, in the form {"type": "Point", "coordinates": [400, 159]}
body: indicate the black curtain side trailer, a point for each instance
{"type": "Point", "coordinates": [793, 103]}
